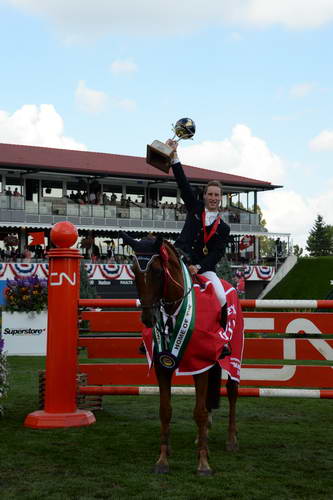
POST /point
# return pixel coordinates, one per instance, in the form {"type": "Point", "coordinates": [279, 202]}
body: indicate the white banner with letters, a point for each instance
{"type": "Point", "coordinates": [24, 334]}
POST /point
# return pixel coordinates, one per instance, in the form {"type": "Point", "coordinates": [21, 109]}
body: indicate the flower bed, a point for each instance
{"type": "Point", "coordinates": [26, 295]}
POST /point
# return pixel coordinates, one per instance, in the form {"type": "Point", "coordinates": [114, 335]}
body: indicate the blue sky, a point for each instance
{"type": "Point", "coordinates": [255, 75]}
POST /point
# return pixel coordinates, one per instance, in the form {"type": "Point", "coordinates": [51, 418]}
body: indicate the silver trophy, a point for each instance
{"type": "Point", "coordinates": [159, 154]}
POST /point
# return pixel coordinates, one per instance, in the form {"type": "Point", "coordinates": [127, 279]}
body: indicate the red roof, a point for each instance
{"type": "Point", "coordinates": [90, 163]}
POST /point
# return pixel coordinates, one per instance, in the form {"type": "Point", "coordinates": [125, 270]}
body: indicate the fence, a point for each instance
{"type": "Point", "coordinates": [62, 366]}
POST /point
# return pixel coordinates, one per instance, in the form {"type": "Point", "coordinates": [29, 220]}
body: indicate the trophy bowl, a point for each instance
{"type": "Point", "coordinates": [184, 128]}
{"type": "Point", "coordinates": [159, 154]}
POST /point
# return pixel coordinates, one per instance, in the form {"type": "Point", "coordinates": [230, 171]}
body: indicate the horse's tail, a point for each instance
{"type": "Point", "coordinates": [214, 385]}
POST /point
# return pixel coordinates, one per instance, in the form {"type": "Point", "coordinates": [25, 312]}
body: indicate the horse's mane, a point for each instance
{"type": "Point", "coordinates": [172, 249]}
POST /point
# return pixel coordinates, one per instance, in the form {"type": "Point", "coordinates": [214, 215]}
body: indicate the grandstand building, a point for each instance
{"type": "Point", "coordinates": [101, 192]}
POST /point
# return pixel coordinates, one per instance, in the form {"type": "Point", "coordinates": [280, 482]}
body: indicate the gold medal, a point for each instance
{"type": "Point", "coordinates": [205, 250]}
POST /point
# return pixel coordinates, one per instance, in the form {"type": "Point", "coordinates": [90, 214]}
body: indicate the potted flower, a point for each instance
{"type": "Point", "coordinates": [24, 320]}
{"type": "Point", "coordinates": [26, 295]}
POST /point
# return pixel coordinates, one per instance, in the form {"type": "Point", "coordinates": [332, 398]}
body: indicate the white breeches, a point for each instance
{"type": "Point", "coordinates": [219, 290]}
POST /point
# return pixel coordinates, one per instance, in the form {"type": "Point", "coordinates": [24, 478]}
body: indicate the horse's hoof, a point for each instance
{"type": "Point", "coordinates": [205, 472]}
{"type": "Point", "coordinates": [161, 469]}
{"type": "Point", "coordinates": [232, 446]}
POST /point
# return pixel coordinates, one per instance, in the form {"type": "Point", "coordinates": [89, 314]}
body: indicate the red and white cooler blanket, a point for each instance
{"type": "Point", "coordinates": [235, 331]}
{"type": "Point", "coordinates": [208, 337]}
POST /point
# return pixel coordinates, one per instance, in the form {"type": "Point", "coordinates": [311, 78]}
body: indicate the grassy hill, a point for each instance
{"type": "Point", "coordinates": [309, 279]}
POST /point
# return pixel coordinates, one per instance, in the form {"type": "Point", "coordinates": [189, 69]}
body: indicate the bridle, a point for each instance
{"type": "Point", "coordinates": [164, 256]}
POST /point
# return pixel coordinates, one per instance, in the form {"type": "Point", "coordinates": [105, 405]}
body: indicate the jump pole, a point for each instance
{"type": "Point", "coordinates": [250, 303]}
{"type": "Point", "coordinates": [254, 392]}
{"type": "Point", "coordinates": [60, 408]}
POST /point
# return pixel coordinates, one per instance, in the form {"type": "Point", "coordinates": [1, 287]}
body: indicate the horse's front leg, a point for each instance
{"type": "Point", "coordinates": [201, 417]}
{"type": "Point", "coordinates": [232, 390]}
{"type": "Point", "coordinates": [164, 377]}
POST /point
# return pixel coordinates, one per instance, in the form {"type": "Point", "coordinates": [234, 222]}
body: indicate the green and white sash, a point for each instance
{"type": "Point", "coordinates": [170, 348]}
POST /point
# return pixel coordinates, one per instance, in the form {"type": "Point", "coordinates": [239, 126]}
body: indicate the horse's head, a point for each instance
{"type": "Point", "coordinates": [151, 264]}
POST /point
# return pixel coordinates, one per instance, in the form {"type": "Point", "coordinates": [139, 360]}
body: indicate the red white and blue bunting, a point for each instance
{"type": "Point", "coordinates": [13, 270]}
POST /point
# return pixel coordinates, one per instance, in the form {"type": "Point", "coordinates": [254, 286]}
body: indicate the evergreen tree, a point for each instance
{"type": "Point", "coordinates": [297, 250]}
{"type": "Point", "coordinates": [319, 242]}
{"type": "Point", "coordinates": [87, 291]}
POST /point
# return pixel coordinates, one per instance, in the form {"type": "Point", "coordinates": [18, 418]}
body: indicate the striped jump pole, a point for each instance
{"type": "Point", "coordinates": [190, 391]}
{"type": "Point", "coordinates": [249, 303]}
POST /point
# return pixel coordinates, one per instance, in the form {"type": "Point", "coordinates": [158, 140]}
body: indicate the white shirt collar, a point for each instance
{"type": "Point", "coordinates": [210, 217]}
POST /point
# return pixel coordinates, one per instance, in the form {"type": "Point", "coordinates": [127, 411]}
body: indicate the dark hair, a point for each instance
{"type": "Point", "coordinates": [213, 183]}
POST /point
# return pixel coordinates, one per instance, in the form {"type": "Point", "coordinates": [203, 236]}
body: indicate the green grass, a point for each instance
{"type": "Point", "coordinates": [308, 279]}
{"type": "Point", "coordinates": [286, 450]}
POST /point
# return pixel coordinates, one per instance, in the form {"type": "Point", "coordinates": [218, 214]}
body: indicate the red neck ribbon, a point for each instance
{"type": "Point", "coordinates": [207, 236]}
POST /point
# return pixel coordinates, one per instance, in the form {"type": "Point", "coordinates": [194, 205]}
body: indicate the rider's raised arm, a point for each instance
{"type": "Point", "coordinates": [186, 191]}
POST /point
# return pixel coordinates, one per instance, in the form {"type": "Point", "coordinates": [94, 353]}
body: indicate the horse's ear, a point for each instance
{"type": "Point", "coordinates": [128, 240]}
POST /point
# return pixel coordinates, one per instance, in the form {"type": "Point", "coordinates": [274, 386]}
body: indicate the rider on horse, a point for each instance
{"type": "Point", "coordinates": [204, 236]}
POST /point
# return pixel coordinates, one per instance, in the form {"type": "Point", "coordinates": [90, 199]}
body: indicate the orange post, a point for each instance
{"type": "Point", "coordinates": [60, 408]}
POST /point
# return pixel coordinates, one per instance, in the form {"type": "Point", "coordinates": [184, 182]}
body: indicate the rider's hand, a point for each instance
{"type": "Point", "coordinates": [193, 269]}
{"type": "Point", "coordinates": [173, 145]}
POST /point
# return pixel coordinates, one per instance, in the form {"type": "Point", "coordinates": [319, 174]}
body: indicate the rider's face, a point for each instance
{"type": "Point", "coordinates": [212, 198]}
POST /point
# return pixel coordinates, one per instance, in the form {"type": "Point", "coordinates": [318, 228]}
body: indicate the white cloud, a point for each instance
{"type": "Point", "coordinates": [89, 100]}
{"type": "Point", "coordinates": [96, 101]}
{"type": "Point", "coordinates": [126, 104]}
{"type": "Point", "coordinates": [123, 66]}
{"type": "Point", "coordinates": [293, 14]}
{"type": "Point", "coordinates": [36, 126]}
{"type": "Point", "coordinates": [301, 90]}
{"type": "Point", "coordinates": [288, 211]}
{"type": "Point", "coordinates": [78, 20]}
{"type": "Point", "coordinates": [323, 141]}
{"type": "Point", "coordinates": [285, 210]}
{"type": "Point", "coordinates": [243, 154]}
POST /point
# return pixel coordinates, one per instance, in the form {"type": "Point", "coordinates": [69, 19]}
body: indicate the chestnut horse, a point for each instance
{"type": "Point", "coordinates": [161, 287]}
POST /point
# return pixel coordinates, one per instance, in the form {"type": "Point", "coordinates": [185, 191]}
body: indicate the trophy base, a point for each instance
{"type": "Point", "coordinates": [159, 156]}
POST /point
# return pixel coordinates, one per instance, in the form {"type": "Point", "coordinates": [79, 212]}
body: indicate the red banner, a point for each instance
{"type": "Point", "coordinates": [37, 238]}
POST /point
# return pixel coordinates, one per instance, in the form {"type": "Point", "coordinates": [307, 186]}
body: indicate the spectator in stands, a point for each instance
{"type": "Point", "coordinates": [113, 199]}
{"type": "Point", "coordinates": [39, 252]}
{"type": "Point", "coordinates": [16, 192]}
{"type": "Point", "coordinates": [92, 198]}
{"type": "Point", "coordinates": [8, 191]}
{"type": "Point", "coordinates": [128, 202]}
{"type": "Point", "coordinates": [95, 255]}
{"type": "Point", "coordinates": [27, 255]}
{"type": "Point", "coordinates": [122, 201]}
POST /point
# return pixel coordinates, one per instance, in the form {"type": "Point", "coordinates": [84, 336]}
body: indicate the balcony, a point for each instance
{"type": "Point", "coordinates": [17, 211]}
